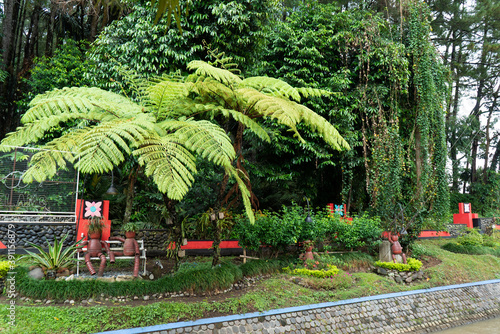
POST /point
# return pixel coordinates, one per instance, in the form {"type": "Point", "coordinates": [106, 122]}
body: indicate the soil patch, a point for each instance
{"type": "Point", "coordinates": [429, 261]}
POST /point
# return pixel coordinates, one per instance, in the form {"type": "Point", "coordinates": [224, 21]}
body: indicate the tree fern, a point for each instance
{"type": "Point", "coordinates": [113, 127]}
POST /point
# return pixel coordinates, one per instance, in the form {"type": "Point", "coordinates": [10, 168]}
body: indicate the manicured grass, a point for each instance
{"type": "Point", "coordinates": [278, 292]}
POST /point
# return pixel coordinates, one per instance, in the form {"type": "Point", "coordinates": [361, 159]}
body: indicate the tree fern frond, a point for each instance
{"type": "Point", "coordinates": [324, 128]}
{"type": "Point", "coordinates": [271, 86]}
{"type": "Point", "coordinates": [189, 108]}
{"type": "Point", "coordinates": [170, 164]}
{"type": "Point", "coordinates": [312, 92]}
{"type": "Point", "coordinates": [202, 68]}
{"type": "Point", "coordinates": [103, 145]}
{"type": "Point", "coordinates": [163, 93]}
{"type": "Point", "coordinates": [245, 193]}
{"type": "Point", "coordinates": [44, 165]}
{"type": "Point", "coordinates": [32, 132]}
{"type": "Point", "coordinates": [284, 111]}
{"type": "Point", "coordinates": [205, 138]}
{"type": "Point", "coordinates": [78, 100]}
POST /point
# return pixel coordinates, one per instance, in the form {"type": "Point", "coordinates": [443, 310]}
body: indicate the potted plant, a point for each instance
{"type": "Point", "coordinates": [95, 227]}
{"type": "Point", "coordinates": [130, 229]}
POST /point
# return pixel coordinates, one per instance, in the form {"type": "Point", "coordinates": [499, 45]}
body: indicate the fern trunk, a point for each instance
{"type": "Point", "coordinates": [130, 195]}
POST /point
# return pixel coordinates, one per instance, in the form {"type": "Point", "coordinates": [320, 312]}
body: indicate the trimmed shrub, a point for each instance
{"type": "Point", "coordinates": [332, 271]}
{"type": "Point", "coordinates": [412, 265]}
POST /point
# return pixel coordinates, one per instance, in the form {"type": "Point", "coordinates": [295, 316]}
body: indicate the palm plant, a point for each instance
{"type": "Point", "coordinates": [56, 257]}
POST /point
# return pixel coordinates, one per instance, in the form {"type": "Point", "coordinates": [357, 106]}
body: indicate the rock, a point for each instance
{"type": "Point", "coordinates": [121, 278]}
{"type": "Point", "coordinates": [385, 251]}
{"type": "Point", "coordinates": [72, 302]}
{"type": "Point", "coordinates": [106, 279]}
{"type": "Point", "coordinates": [70, 277]}
{"type": "Point", "coordinates": [381, 271]}
{"type": "Point", "coordinates": [145, 297]}
{"type": "Point", "coordinates": [36, 273]}
{"type": "Point", "coordinates": [48, 301]}
{"type": "Point", "coordinates": [38, 301]}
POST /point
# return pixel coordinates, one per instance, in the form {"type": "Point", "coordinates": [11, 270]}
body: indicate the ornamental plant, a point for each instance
{"type": "Point", "coordinates": [130, 227]}
{"type": "Point", "coordinates": [96, 225]}
{"type": "Point", "coordinates": [322, 273]}
{"type": "Point", "coordinates": [56, 257]}
{"type": "Point", "coordinates": [412, 265]}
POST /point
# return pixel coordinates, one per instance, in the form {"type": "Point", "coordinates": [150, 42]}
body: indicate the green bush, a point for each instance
{"type": "Point", "coordinates": [287, 227]}
{"type": "Point", "coordinates": [4, 268]}
{"type": "Point", "coordinates": [412, 265]}
{"type": "Point", "coordinates": [472, 238]}
{"type": "Point", "coordinates": [322, 273]}
{"type": "Point", "coordinates": [455, 247]}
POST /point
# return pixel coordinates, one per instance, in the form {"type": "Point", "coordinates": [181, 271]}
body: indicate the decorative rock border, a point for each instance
{"type": "Point", "coordinates": [419, 311]}
{"type": "Point", "coordinates": [401, 276]}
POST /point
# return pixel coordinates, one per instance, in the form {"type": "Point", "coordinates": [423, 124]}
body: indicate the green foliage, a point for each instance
{"type": "Point", "coordinates": [111, 127]}
{"type": "Point", "coordinates": [130, 227]}
{"type": "Point", "coordinates": [412, 265]}
{"type": "Point", "coordinates": [322, 273]}
{"type": "Point", "coordinates": [95, 225]}
{"type": "Point", "coordinates": [418, 251]}
{"type": "Point", "coordinates": [192, 277]}
{"type": "Point", "coordinates": [362, 232]}
{"type": "Point", "coordinates": [262, 267]}
{"type": "Point", "coordinates": [56, 256]}
{"type": "Point", "coordinates": [5, 267]}
{"type": "Point", "coordinates": [390, 107]}
{"type": "Point", "coordinates": [287, 227]}
{"type": "Point", "coordinates": [237, 28]}
{"type": "Point", "coordinates": [455, 247]}
{"type": "Point", "coordinates": [471, 238]}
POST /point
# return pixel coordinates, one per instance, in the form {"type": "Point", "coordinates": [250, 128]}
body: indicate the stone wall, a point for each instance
{"type": "Point", "coordinates": [38, 234]}
{"type": "Point", "coordinates": [154, 240]}
{"type": "Point", "coordinates": [421, 311]}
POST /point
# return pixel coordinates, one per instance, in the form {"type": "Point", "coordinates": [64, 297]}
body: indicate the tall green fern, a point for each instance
{"type": "Point", "coordinates": [110, 127]}
{"type": "Point", "coordinates": [212, 92]}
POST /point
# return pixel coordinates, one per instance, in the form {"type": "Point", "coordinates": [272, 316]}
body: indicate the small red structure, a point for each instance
{"type": "Point", "coordinates": [464, 215]}
{"type": "Point", "coordinates": [340, 210]}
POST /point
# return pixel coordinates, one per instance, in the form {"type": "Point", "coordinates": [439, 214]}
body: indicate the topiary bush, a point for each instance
{"type": "Point", "coordinates": [411, 265]}
{"type": "Point", "coordinates": [322, 273]}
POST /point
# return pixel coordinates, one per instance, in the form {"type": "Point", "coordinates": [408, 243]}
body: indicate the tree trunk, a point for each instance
{"type": "Point", "coordinates": [130, 194]}
{"type": "Point", "coordinates": [493, 107]}
{"type": "Point", "coordinates": [9, 38]}
{"type": "Point", "coordinates": [50, 29]}
{"type": "Point", "coordinates": [170, 206]}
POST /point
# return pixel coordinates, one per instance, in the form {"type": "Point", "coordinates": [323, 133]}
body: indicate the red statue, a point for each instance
{"type": "Point", "coordinates": [130, 248]}
{"type": "Point", "coordinates": [396, 247]}
{"type": "Point", "coordinates": [94, 249]}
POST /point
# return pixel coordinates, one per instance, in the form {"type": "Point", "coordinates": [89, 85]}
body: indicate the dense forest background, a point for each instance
{"type": "Point", "coordinates": [414, 89]}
